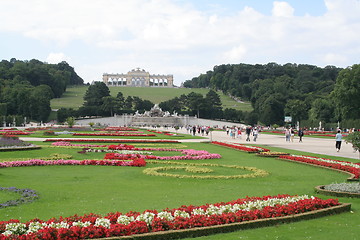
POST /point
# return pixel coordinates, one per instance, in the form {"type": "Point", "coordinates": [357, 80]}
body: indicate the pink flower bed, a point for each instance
{"type": "Point", "coordinates": [131, 147]}
{"type": "Point", "coordinates": [186, 217]}
{"type": "Point", "coordinates": [68, 144]}
{"type": "Point", "coordinates": [350, 167]}
{"type": "Point", "coordinates": [189, 154]}
{"type": "Point", "coordinates": [241, 147]}
{"type": "Point", "coordinates": [167, 133]}
{"type": "Point", "coordinates": [110, 140]}
{"type": "Point", "coordinates": [136, 162]}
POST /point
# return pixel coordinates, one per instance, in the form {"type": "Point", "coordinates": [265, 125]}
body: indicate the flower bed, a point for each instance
{"type": "Point", "coordinates": [271, 154]}
{"type": "Point", "coordinates": [241, 147]}
{"type": "Point", "coordinates": [68, 144]}
{"type": "Point", "coordinates": [116, 134]}
{"type": "Point", "coordinates": [185, 217]}
{"type": "Point", "coordinates": [27, 196]}
{"type": "Point", "coordinates": [167, 133]}
{"type": "Point", "coordinates": [110, 140]}
{"type": "Point", "coordinates": [352, 168]}
{"type": "Point", "coordinates": [13, 132]}
{"type": "Point", "coordinates": [189, 154]}
{"type": "Point", "coordinates": [135, 162]}
{"type": "Point", "coordinates": [115, 129]}
{"type": "Point", "coordinates": [200, 168]}
{"type": "Point", "coordinates": [340, 190]}
{"type": "Point", "coordinates": [54, 156]}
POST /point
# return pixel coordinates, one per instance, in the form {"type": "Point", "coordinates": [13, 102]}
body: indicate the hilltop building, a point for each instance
{"type": "Point", "coordinates": [138, 78]}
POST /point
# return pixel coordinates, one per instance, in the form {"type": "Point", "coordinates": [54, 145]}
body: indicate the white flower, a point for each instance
{"type": "Point", "coordinates": [59, 225]}
{"type": "Point", "coordinates": [102, 222]}
{"type": "Point", "coordinates": [165, 215]}
{"type": "Point", "coordinates": [183, 214]}
{"type": "Point", "coordinates": [123, 219]}
{"type": "Point", "coordinates": [34, 227]}
{"type": "Point", "coordinates": [213, 210]}
{"type": "Point", "coordinates": [15, 228]}
{"type": "Point", "coordinates": [81, 224]}
{"type": "Point", "coordinates": [198, 211]}
{"type": "Point", "coordinates": [147, 217]}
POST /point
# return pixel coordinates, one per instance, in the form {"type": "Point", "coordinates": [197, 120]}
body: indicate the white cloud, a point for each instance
{"type": "Point", "coordinates": [169, 37]}
{"type": "Point", "coordinates": [334, 59]}
{"type": "Point", "coordinates": [55, 58]}
{"type": "Point", "coordinates": [235, 55]}
{"type": "Point", "coordinates": [282, 9]}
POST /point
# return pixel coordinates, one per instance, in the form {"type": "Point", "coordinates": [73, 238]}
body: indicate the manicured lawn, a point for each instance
{"type": "Point", "coordinates": [73, 97]}
{"type": "Point", "coordinates": [69, 190]}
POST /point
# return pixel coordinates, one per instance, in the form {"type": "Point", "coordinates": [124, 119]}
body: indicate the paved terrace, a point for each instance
{"type": "Point", "coordinates": [309, 144]}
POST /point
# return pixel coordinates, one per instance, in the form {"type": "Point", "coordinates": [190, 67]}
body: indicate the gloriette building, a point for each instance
{"type": "Point", "coordinates": [138, 78]}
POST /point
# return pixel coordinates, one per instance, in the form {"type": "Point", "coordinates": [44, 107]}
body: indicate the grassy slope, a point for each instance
{"type": "Point", "coordinates": [66, 190]}
{"type": "Point", "coordinates": [73, 97]}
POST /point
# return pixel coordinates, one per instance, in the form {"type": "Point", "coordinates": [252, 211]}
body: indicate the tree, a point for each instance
{"type": "Point", "coordinates": [70, 122]}
{"type": "Point", "coordinates": [346, 94]}
{"type": "Point", "coordinates": [354, 139]}
{"type": "Point", "coordinates": [322, 110]}
{"type": "Point", "coordinates": [95, 93]}
{"type": "Point", "coordinates": [109, 104]}
{"type": "Point", "coordinates": [213, 105]}
{"type": "Point", "coordinates": [271, 110]}
{"type": "Point", "coordinates": [195, 102]}
{"type": "Point", "coordinates": [297, 109]}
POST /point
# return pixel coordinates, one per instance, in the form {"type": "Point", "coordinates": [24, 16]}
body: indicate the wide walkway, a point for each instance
{"type": "Point", "coordinates": [309, 144]}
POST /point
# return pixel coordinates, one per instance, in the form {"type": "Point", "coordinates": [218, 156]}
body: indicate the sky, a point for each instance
{"type": "Point", "coordinates": [180, 37]}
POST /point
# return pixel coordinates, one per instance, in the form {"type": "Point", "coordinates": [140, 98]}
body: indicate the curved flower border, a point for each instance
{"type": "Point", "coordinates": [185, 217]}
{"type": "Point", "coordinates": [154, 171]}
{"type": "Point", "coordinates": [109, 140]}
{"type": "Point", "coordinates": [137, 162]}
{"type": "Point", "coordinates": [352, 168]}
{"type": "Point", "coordinates": [242, 147]}
{"type": "Point", "coordinates": [27, 196]}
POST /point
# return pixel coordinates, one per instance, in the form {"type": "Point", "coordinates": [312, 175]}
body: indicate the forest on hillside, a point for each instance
{"type": "Point", "coordinates": [26, 88]}
{"type": "Point", "coordinates": [305, 92]}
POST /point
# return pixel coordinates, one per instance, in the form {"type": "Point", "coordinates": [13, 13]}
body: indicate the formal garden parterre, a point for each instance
{"type": "Point", "coordinates": [166, 164]}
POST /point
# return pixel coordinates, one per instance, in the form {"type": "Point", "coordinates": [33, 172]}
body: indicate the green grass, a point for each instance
{"type": "Point", "coordinates": [69, 190]}
{"type": "Point", "coordinates": [73, 97]}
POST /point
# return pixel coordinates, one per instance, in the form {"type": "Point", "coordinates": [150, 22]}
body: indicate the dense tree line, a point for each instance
{"type": "Point", "coordinates": [99, 102]}
{"type": "Point", "coordinates": [26, 88]}
{"type": "Point", "coordinates": [195, 104]}
{"type": "Point", "coordinates": [304, 92]}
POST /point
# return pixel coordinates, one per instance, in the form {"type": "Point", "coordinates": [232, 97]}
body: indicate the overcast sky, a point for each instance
{"type": "Point", "coordinates": [179, 37]}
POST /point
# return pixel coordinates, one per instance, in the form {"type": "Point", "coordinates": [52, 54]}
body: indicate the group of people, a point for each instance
{"type": "Point", "coordinates": [290, 134]}
{"type": "Point", "coordinates": [201, 130]}
{"type": "Point", "coordinates": [237, 132]}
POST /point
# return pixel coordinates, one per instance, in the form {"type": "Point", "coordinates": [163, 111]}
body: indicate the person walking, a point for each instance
{"type": "Point", "coordinates": [255, 134]}
{"type": "Point", "coordinates": [338, 138]}
{"type": "Point", "coordinates": [287, 135]}
{"type": "Point", "coordinates": [292, 134]}
{"type": "Point", "coordinates": [248, 132]}
{"type": "Point", "coordinates": [300, 134]}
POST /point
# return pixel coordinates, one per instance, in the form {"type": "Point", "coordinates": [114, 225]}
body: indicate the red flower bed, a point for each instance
{"type": "Point", "coordinates": [110, 140]}
{"type": "Point", "coordinates": [115, 129]}
{"type": "Point", "coordinates": [350, 167]}
{"type": "Point", "coordinates": [13, 132]}
{"type": "Point", "coordinates": [241, 147]}
{"type": "Point", "coordinates": [152, 220]}
{"type": "Point", "coordinates": [115, 134]}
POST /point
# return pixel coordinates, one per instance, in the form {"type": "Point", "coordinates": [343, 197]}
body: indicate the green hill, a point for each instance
{"type": "Point", "coordinates": [73, 97]}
